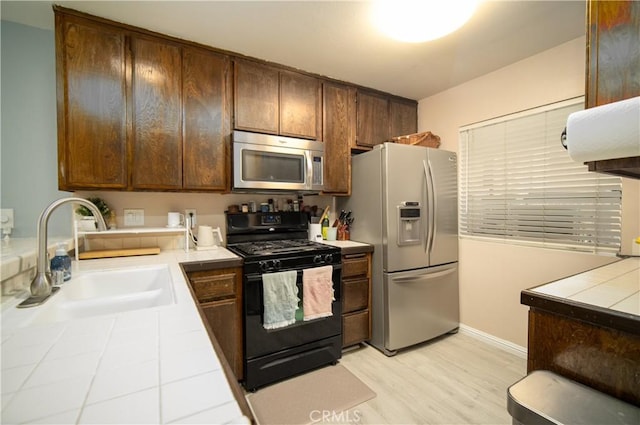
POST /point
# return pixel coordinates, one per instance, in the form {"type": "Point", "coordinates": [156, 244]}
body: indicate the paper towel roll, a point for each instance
{"type": "Point", "coordinates": [605, 132]}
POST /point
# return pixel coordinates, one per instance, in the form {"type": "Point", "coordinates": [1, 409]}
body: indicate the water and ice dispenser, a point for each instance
{"type": "Point", "coordinates": [409, 223]}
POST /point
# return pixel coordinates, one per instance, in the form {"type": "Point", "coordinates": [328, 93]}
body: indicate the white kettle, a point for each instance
{"type": "Point", "coordinates": [207, 237]}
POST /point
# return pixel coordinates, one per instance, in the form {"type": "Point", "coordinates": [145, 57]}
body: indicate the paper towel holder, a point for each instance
{"type": "Point", "coordinates": [563, 138]}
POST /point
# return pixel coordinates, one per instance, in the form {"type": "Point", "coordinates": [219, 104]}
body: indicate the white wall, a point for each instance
{"type": "Point", "coordinates": [493, 274]}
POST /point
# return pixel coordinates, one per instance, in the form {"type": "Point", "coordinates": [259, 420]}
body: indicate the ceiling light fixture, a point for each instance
{"type": "Point", "coordinates": [416, 21]}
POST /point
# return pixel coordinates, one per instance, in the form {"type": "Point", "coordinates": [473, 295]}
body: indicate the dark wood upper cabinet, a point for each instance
{"type": "Point", "coordinates": [372, 119]}
{"type": "Point", "coordinates": [157, 115]}
{"type": "Point", "coordinates": [276, 101]}
{"type": "Point", "coordinates": [206, 92]}
{"type": "Point", "coordinates": [92, 125]}
{"type": "Point", "coordinates": [613, 67]}
{"type": "Point", "coordinates": [338, 118]}
{"type": "Point", "coordinates": [613, 51]}
{"type": "Point", "coordinates": [137, 111]}
{"type": "Point", "coordinates": [403, 117]}
{"type": "Point", "coordinates": [256, 89]}
{"type": "Point", "coordinates": [300, 106]}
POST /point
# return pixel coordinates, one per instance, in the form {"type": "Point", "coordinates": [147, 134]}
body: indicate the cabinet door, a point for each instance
{"type": "Point", "coordinates": [206, 106]}
{"type": "Point", "coordinates": [219, 293]}
{"type": "Point", "coordinates": [256, 97]}
{"type": "Point", "coordinates": [226, 325]}
{"type": "Point", "coordinates": [157, 115]}
{"type": "Point", "coordinates": [338, 121]}
{"type": "Point", "coordinates": [373, 119]}
{"type": "Point", "coordinates": [92, 122]}
{"type": "Point", "coordinates": [403, 117]}
{"type": "Point", "coordinates": [356, 328]}
{"type": "Point", "coordinates": [613, 55]}
{"type": "Point", "coordinates": [299, 105]}
{"type": "Point", "coordinates": [355, 294]}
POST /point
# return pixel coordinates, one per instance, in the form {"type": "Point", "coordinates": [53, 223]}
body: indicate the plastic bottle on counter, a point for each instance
{"type": "Point", "coordinates": [324, 226]}
{"type": "Point", "coordinates": [61, 265]}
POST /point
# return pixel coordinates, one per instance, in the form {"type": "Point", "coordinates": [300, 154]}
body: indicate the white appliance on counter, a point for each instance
{"type": "Point", "coordinates": [404, 201]}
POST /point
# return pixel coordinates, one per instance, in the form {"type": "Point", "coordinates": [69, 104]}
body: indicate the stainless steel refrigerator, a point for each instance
{"type": "Point", "coordinates": [404, 200]}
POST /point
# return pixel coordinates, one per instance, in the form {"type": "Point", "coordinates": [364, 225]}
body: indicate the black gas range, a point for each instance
{"type": "Point", "coordinates": [273, 243]}
{"type": "Point", "coordinates": [276, 241]}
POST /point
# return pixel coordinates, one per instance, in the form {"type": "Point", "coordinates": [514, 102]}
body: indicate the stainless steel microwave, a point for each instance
{"type": "Point", "coordinates": [263, 162]}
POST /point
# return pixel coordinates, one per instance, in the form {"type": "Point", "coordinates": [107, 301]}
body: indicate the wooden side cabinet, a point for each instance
{"type": "Point", "coordinates": [613, 66]}
{"type": "Point", "coordinates": [356, 298]}
{"type": "Point", "coordinates": [338, 119]}
{"type": "Point", "coordinates": [219, 293]}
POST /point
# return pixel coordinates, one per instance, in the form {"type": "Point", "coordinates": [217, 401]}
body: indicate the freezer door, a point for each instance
{"type": "Point", "coordinates": [404, 183]}
{"type": "Point", "coordinates": [420, 305]}
{"type": "Point", "coordinates": [442, 238]}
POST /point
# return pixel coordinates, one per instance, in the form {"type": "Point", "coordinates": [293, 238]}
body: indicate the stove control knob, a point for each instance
{"type": "Point", "coordinates": [328, 258]}
{"type": "Point", "coordinates": [263, 266]}
{"type": "Point", "coordinates": [276, 264]}
{"type": "Point", "coordinates": [317, 259]}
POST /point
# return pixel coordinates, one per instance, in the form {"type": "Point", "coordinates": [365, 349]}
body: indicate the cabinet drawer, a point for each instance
{"type": "Point", "coordinates": [356, 266]}
{"type": "Point", "coordinates": [355, 328]}
{"type": "Point", "coordinates": [355, 294]}
{"type": "Point", "coordinates": [213, 287]}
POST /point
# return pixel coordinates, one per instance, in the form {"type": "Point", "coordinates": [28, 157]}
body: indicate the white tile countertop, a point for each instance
{"type": "Point", "coordinates": [350, 246]}
{"type": "Point", "coordinates": [615, 286]}
{"type": "Point", "coordinates": [154, 365]}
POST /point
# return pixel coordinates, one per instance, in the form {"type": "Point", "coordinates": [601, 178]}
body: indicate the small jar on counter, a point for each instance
{"type": "Point", "coordinates": [61, 266]}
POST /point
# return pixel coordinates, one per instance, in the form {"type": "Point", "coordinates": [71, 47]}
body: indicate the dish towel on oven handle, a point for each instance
{"type": "Point", "coordinates": [280, 298]}
{"type": "Point", "coordinates": [317, 292]}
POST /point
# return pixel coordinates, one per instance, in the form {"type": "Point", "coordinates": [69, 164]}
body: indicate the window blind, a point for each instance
{"type": "Point", "coordinates": [519, 185]}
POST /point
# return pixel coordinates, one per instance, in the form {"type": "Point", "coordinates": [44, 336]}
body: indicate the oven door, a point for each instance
{"type": "Point", "coordinates": [260, 341]}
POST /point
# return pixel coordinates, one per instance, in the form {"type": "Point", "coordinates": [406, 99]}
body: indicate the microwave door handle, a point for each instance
{"type": "Point", "coordinates": [308, 178]}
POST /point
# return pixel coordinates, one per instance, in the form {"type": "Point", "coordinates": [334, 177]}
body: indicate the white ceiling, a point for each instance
{"type": "Point", "coordinates": [335, 38]}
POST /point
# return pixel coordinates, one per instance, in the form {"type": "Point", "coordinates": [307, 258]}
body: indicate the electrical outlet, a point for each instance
{"type": "Point", "coordinates": [190, 213]}
{"type": "Point", "coordinates": [133, 217]}
{"type": "Point", "coordinates": [6, 219]}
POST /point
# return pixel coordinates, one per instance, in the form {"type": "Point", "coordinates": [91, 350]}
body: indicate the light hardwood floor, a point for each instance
{"type": "Point", "coordinates": [456, 379]}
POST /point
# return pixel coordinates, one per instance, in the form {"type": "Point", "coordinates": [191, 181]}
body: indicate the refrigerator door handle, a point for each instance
{"type": "Point", "coordinates": [410, 279]}
{"type": "Point", "coordinates": [431, 206]}
{"type": "Point", "coordinates": [434, 210]}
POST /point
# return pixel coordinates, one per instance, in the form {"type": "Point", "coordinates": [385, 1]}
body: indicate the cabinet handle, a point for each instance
{"type": "Point", "coordinates": [350, 256]}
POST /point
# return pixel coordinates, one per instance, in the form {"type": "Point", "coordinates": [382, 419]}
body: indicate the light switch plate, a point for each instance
{"type": "Point", "coordinates": [133, 217]}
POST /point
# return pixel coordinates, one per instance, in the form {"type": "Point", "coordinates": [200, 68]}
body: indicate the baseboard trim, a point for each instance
{"type": "Point", "coordinates": [495, 341]}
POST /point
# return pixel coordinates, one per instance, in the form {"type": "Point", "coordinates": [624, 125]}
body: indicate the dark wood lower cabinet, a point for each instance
{"type": "Point", "coordinates": [228, 332]}
{"type": "Point", "coordinates": [356, 298]}
{"type": "Point", "coordinates": [355, 328]}
{"type": "Point", "coordinates": [601, 357]}
{"type": "Point", "coordinates": [219, 293]}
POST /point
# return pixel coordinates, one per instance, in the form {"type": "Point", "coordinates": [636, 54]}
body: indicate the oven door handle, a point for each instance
{"type": "Point", "coordinates": [254, 277]}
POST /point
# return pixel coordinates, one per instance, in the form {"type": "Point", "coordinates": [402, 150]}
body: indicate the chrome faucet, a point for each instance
{"type": "Point", "coordinates": [41, 284]}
